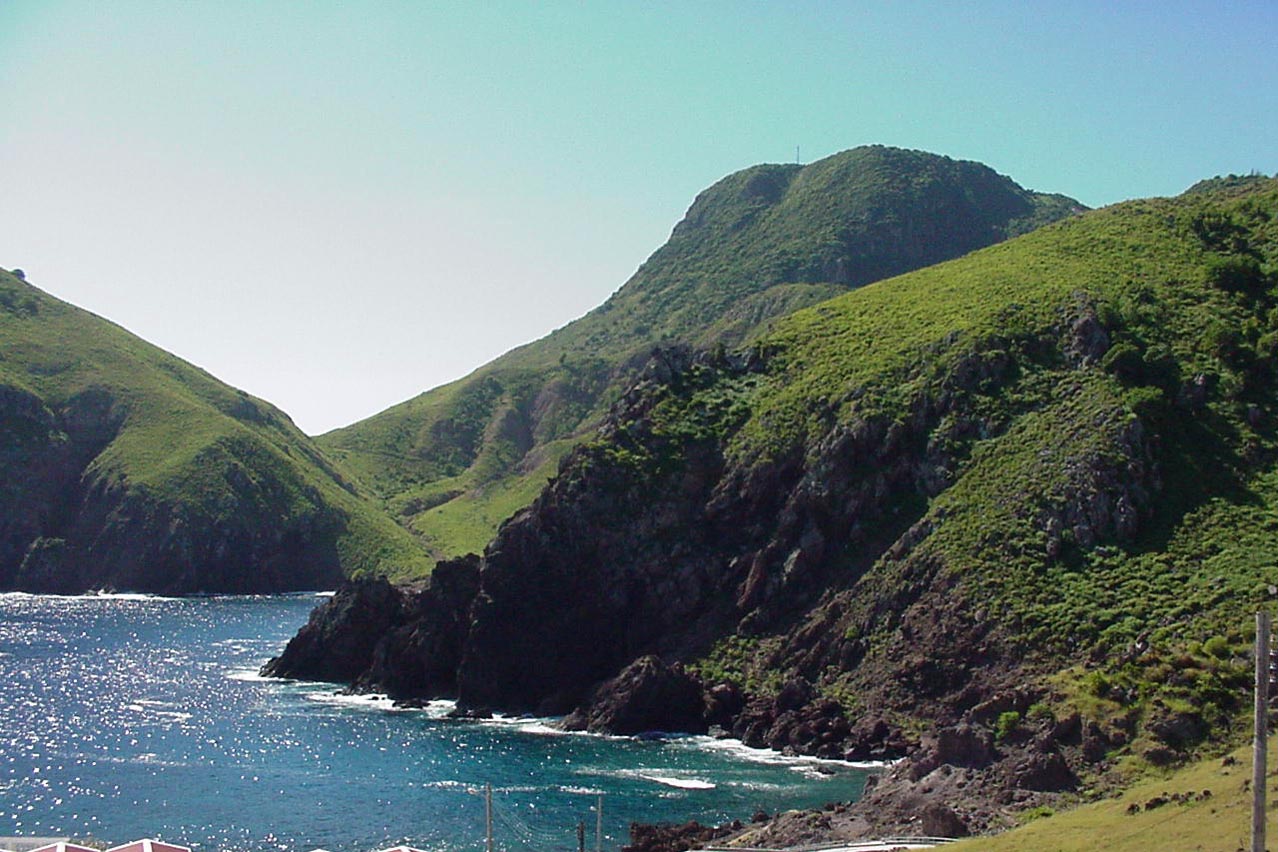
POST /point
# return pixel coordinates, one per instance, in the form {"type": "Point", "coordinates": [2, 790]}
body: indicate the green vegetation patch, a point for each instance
{"type": "Point", "coordinates": [165, 438]}
{"type": "Point", "coordinates": [759, 244]}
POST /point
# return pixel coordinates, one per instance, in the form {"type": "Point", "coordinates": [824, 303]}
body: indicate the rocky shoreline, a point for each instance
{"type": "Point", "coordinates": [968, 775]}
{"type": "Point", "coordinates": [808, 590]}
{"type": "Point", "coordinates": [958, 781]}
{"type": "Point", "coordinates": [360, 636]}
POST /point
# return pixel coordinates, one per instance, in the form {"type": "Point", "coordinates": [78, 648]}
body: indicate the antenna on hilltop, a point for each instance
{"type": "Point", "coordinates": [796, 155]}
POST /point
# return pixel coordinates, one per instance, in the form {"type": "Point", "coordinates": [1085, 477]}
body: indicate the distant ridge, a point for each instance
{"type": "Point", "coordinates": [454, 462]}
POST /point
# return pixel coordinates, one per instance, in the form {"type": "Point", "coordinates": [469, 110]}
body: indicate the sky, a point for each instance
{"type": "Point", "coordinates": [336, 206]}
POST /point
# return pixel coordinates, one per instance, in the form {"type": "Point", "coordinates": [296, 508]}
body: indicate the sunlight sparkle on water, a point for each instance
{"type": "Point", "coordinates": [126, 717]}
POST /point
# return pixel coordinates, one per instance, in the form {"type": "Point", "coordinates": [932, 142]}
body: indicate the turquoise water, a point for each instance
{"type": "Point", "coordinates": [127, 717]}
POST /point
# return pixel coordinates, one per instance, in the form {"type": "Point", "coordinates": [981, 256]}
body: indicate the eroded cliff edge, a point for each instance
{"type": "Point", "coordinates": [974, 499]}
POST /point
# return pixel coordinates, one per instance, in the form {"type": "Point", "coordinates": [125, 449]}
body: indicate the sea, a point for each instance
{"type": "Point", "coordinates": [123, 717]}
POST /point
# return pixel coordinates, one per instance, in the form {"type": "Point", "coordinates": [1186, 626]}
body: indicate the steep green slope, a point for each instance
{"type": "Point", "coordinates": [122, 466]}
{"type": "Point", "coordinates": [454, 462]}
{"type": "Point", "coordinates": [1047, 450]}
{"type": "Point", "coordinates": [1042, 477]}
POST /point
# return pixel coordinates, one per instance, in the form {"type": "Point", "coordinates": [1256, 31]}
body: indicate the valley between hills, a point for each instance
{"type": "Point", "coordinates": [878, 457]}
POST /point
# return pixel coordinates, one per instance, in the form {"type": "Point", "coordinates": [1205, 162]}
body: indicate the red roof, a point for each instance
{"type": "Point", "coordinates": [148, 845]}
{"type": "Point", "coordinates": [62, 846]}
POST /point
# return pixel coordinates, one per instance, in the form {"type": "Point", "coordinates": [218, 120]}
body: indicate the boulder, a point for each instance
{"type": "Point", "coordinates": [1044, 772]}
{"type": "Point", "coordinates": [962, 745]}
{"type": "Point", "coordinates": [940, 820]}
{"type": "Point", "coordinates": [669, 837]}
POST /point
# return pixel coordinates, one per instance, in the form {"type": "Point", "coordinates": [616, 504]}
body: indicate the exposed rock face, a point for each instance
{"type": "Point", "coordinates": [619, 559]}
{"type": "Point", "coordinates": [796, 720]}
{"type": "Point", "coordinates": [376, 635]}
{"type": "Point", "coordinates": [338, 640]}
{"type": "Point", "coordinates": [648, 695]}
{"type": "Point", "coordinates": [42, 463]}
{"type": "Point", "coordinates": [420, 656]}
{"type": "Point", "coordinates": [674, 838]}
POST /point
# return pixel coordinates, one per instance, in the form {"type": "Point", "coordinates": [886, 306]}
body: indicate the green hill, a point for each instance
{"type": "Point", "coordinates": [1015, 509]}
{"type": "Point", "coordinates": [124, 467]}
{"type": "Point", "coordinates": [1072, 432]}
{"type": "Point", "coordinates": [456, 461]}
{"type": "Point", "coordinates": [1043, 451]}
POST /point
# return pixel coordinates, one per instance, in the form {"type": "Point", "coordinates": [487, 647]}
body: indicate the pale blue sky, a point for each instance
{"type": "Point", "coordinates": [338, 205]}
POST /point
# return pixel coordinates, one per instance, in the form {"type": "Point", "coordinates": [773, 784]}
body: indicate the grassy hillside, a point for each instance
{"type": "Point", "coordinates": [1052, 462]}
{"type": "Point", "coordinates": [761, 243]}
{"type": "Point", "coordinates": [1015, 509]}
{"type": "Point", "coordinates": [1204, 807]}
{"type": "Point", "coordinates": [124, 466]}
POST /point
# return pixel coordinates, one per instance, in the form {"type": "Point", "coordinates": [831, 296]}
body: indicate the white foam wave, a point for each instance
{"type": "Point", "coordinates": [370, 701]}
{"type": "Point", "coordinates": [439, 708]}
{"type": "Point", "coordinates": [250, 676]}
{"type": "Point", "coordinates": [581, 791]}
{"type": "Point", "coordinates": [679, 779]}
{"type": "Point", "coordinates": [800, 763]}
{"type": "Point", "coordinates": [127, 596]}
{"type": "Point", "coordinates": [527, 724]}
{"type": "Point", "coordinates": [681, 783]}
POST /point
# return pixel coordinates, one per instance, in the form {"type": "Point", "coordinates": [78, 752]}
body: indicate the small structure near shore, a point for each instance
{"type": "Point", "coordinates": [149, 845]}
{"type": "Point", "coordinates": [59, 846]}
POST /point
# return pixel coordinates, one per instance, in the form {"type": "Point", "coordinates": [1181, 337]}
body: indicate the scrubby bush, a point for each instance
{"type": "Point", "coordinates": [1006, 725]}
{"type": "Point", "coordinates": [1236, 274]}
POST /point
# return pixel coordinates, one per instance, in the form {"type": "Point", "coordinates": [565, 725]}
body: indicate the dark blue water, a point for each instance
{"type": "Point", "coordinates": [124, 718]}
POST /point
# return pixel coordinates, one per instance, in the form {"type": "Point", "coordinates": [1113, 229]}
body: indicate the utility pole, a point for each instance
{"type": "Point", "coordinates": [488, 816]}
{"type": "Point", "coordinates": [1260, 734]}
{"type": "Point", "coordinates": [598, 825]}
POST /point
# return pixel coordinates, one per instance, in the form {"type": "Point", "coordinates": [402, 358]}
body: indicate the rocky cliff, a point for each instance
{"type": "Point", "coordinates": [903, 505]}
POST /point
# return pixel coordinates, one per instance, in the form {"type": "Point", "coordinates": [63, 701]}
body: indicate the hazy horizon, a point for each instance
{"type": "Point", "coordinates": [337, 208]}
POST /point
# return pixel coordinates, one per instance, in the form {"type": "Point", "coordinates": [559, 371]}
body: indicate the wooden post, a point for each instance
{"type": "Point", "coordinates": [581, 835]}
{"type": "Point", "coordinates": [488, 816]}
{"type": "Point", "coordinates": [1258, 769]}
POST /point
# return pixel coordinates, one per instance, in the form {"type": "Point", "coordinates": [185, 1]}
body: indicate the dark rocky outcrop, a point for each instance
{"type": "Point", "coordinates": [373, 635]}
{"type": "Point", "coordinates": [647, 695]}
{"type": "Point", "coordinates": [338, 640]}
{"type": "Point", "coordinates": [419, 658]}
{"type": "Point", "coordinates": [796, 720]}
{"type": "Point", "coordinates": [616, 560]}
{"type": "Point", "coordinates": [674, 838]}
